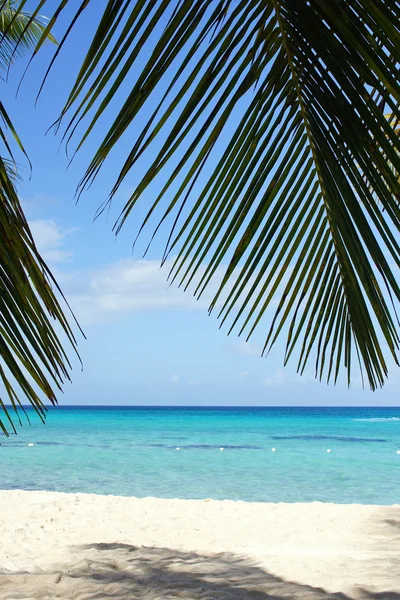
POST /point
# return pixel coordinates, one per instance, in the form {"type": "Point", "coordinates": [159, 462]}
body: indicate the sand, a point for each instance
{"type": "Point", "coordinates": [82, 546]}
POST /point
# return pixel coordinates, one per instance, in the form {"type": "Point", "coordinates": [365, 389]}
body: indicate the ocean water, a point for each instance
{"type": "Point", "coordinates": [132, 451]}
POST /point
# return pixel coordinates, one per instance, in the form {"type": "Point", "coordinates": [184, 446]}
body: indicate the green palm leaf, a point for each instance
{"type": "Point", "coordinates": [267, 144]}
{"type": "Point", "coordinates": [33, 362]}
{"type": "Point", "coordinates": [19, 32]}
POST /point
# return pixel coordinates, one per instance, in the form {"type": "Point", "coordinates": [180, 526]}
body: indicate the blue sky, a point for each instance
{"type": "Point", "coordinates": [147, 343]}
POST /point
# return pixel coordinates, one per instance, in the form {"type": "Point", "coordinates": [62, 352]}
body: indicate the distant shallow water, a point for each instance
{"type": "Point", "coordinates": [133, 451]}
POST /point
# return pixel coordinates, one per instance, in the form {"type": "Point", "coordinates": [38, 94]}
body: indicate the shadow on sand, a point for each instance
{"type": "Point", "coordinates": [125, 572]}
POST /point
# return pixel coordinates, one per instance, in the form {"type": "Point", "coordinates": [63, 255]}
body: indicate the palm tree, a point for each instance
{"type": "Point", "coordinates": [34, 362]}
{"type": "Point", "coordinates": [266, 149]}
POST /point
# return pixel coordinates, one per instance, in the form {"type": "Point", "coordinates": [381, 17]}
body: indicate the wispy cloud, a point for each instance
{"type": "Point", "coordinates": [279, 378]}
{"type": "Point", "coordinates": [126, 286]}
{"type": "Point", "coordinates": [246, 348]}
{"type": "Point", "coordinates": [175, 378]}
{"type": "Point", "coordinates": [288, 378]}
{"type": "Point", "coordinates": [243, 375]}
{"type": "Point", "coordinates": [112, 291]}
{"type": "Point", "coordinates": [50, 240]}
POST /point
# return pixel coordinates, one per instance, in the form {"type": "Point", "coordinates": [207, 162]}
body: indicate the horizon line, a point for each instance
{"type": "Point", "coordinates": [50, 406]}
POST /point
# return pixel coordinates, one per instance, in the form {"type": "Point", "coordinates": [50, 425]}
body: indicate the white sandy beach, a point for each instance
{"type": "Point", "coordinates": [81, 546]}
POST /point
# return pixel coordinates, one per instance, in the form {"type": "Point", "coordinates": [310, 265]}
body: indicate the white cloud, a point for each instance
{"type": "Point", "coordinates": [277, 379]}
{"type": "Point", "coordinates": [243, 375]}
{"type": "Point", "coordinates": [176, 379]}
{"type": "Point", "coordinates": [129, 285]}
{"type": "Point", "coordinates": [246, 348]}
{"type": "Point", "coordinates": [286, 377]}
{"type": "Point", "coordinates": [126, 286]}
{"type": "Point", "coordinates": [36, 204]}
{"type": "Point", "coordinates": [50, 239]}
{"type": "Point", "coordinates": [132, 285]}
{"type": "Point", "coordinates": [306, 377]}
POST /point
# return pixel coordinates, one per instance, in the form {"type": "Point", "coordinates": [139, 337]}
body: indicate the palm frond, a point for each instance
{"type": "Point", "coordinates": [11, 169]}
{"type": "Point", "coordinates": [33, 362]}
{"type": "Point", "coordinates": [20, 32]}
{"type": "Point", "coordinates": [268, 144]}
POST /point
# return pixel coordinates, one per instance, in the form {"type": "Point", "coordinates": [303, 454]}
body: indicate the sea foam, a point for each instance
{"type": "Point", "coordinates": [378, 419]}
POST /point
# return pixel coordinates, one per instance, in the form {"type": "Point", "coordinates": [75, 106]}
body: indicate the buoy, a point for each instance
{"type": "Point", "coordinates": [222, 449]}
{"type": "Point", "coordinates": [398, 452]}
{"type": "Point", "coordinates": [273, 449]}
{"type": "Point", "coordinates": [178, 448]}
{"type": "Point", "coordinates": [329, 450]}
{"type": "Point", "coordinates": [31, 445]}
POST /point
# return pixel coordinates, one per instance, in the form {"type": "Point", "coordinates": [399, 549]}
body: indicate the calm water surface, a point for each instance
{"type": "Point", "coordinates": [132, 451]}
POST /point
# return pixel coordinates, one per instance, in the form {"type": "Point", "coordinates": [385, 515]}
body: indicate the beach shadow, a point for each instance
{"type": "Point", "coordinates": [392, 522]}
{"type": "Point", "coordinates": [391, 539]}
{"type": "Point", "coordinates": [125, 572]}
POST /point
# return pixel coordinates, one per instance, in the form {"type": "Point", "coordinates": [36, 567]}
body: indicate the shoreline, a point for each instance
{"type": "Point", "coordinates": [227, 500]}
{"type": "Point", "coordinates": [82, 539]}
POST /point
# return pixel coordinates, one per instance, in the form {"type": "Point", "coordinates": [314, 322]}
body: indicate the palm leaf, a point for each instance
{"type": "Point", "coordinates": [20, 32]}
{"type": "Point", "coordinates": [34, 363]}
{"type": "Point", "coordinates": [268, 146]}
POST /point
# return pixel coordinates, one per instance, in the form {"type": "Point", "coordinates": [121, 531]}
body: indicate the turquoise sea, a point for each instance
{"type": "Point", "coordinates": [132, 451]}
